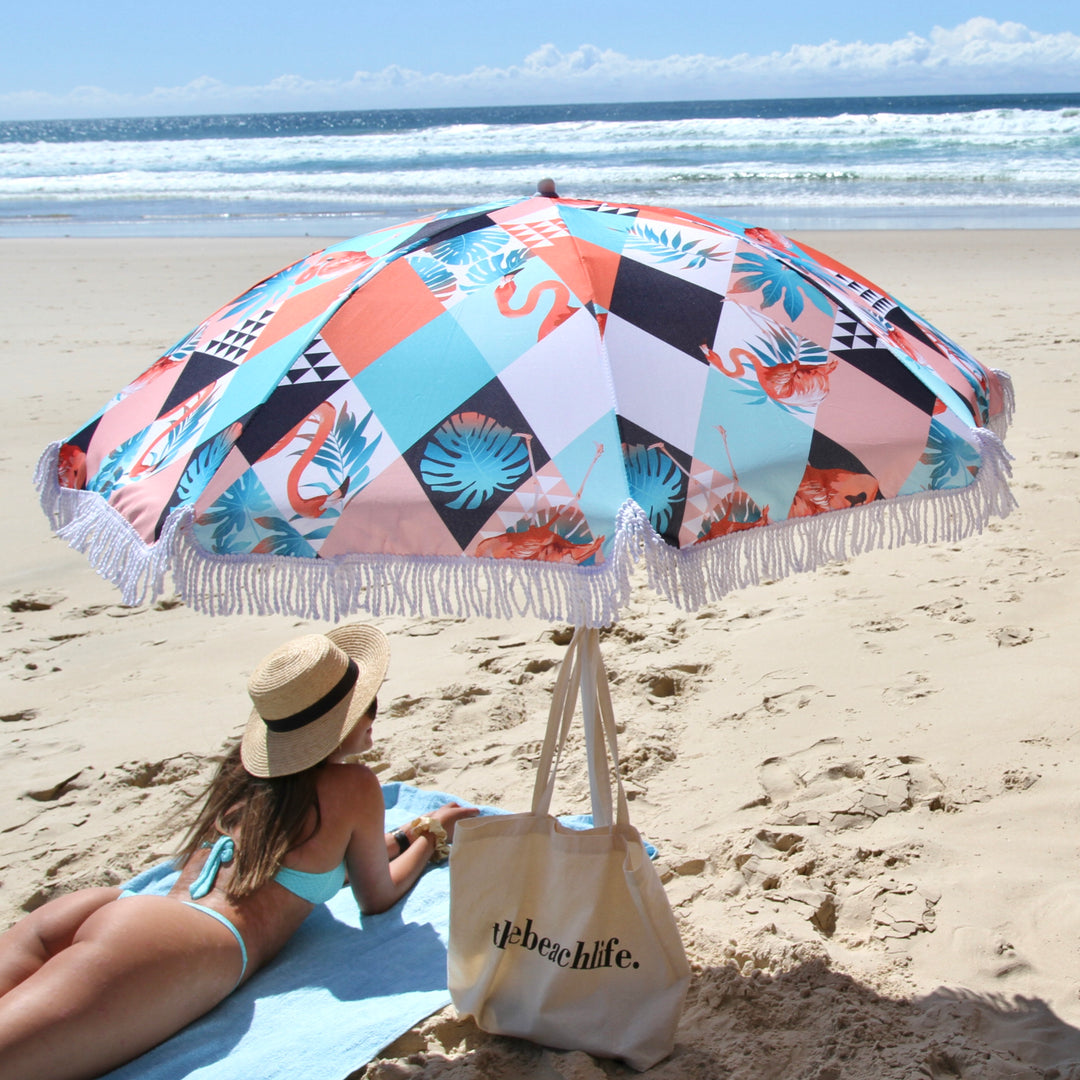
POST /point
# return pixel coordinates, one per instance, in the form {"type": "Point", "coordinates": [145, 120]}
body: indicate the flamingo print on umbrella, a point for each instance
{"type": "Point", "coordinates": [561, 308]}
{"type": "Point", "coordinates": [733, 512]}
{"type": "Point", "coordinates": [790, 369]}
{"type": "Point", "coordinates": [387, 425]}
{"type": "Point", "coordinates": [548, 533]}
{"type": "Point", "coordinates": [324, 415]}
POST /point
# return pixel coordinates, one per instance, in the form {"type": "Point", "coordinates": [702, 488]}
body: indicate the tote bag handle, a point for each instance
{"type": "Point", "coordinates": [583, 672]}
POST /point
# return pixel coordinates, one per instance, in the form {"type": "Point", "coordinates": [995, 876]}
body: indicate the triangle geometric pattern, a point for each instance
{"type": "Point", "coordinates": [511, 381]}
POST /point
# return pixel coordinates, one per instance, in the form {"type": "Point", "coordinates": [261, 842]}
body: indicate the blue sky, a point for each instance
{"type": "Point", "coordinates": [66, 58]}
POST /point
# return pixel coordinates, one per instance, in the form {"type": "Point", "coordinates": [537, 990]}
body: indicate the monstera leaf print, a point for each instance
{"type": "Point", "coordinates": [438, 280]}
{"type": "Point", "coordinates": [469, 247]}
{"type": "Point", "coordinates": [655, 484]}
{"type": "Point", "coordinates": [490, 271]}
{"type": "Point", "coordinates": [951, 459]}
{"type": "Point", "coordinates": [473, 456]}
{"type": "Point", "coordinates": [778, 283]}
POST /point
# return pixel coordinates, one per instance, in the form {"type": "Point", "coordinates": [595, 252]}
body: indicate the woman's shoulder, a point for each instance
{"type": "Point", "coordinates": [353, 783]}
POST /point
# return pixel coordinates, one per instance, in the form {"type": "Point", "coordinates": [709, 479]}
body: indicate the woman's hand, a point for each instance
{"type": "Point", "coordinates": [450, 814]}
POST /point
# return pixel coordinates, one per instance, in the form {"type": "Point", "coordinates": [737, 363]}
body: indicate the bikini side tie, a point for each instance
{"type": "Point", "coordinates": [221, 853]}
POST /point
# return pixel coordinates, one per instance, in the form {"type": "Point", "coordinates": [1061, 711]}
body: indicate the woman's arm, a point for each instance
{"type": "Point", "coordinates": [377, 881]}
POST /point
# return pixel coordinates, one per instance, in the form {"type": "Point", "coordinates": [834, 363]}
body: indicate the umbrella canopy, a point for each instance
{"type": "Point", "coordinates": [499, 410]}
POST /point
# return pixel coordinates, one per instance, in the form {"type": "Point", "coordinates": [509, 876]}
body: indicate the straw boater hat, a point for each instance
{"type": "Point", "coordinates": [309, 694]}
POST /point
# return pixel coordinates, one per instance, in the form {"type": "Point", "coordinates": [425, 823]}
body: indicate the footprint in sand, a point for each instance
{"type": "Point", "coordinates": [34, 602]}
{"type": "Point", "coordinates": [987, 952]}
{"type": "Point", "coordinates": [463, 695]}
{"type": "Point", "coordinates": [58, 790]}
{"type": "Point", "coordinates": [806, 875]}
{"type": "Point", "coordinates": [1011, 636]}
{"type": "Point", "coordinates": [641, 759]}
{"type": "Point", "coordinates": [822, 786]}
{"type": "Point", "coordinates": [912, 686]}
{"type": "Point", "coordinates": [949, 607]}
{"type": "Point", "coordinates": [887, 625]}
{"type": "Point", "coordinates": [18, 717]}
{"type": "Point", "coordinates": [793, 862]}
{"type": "Point", "coordinates": [771, 705]}
{"type": "Point", "coordinates": [402, 706]}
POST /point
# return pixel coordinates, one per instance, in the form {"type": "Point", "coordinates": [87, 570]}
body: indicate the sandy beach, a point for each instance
{"type": "Point", "coordinates": [862, 782]}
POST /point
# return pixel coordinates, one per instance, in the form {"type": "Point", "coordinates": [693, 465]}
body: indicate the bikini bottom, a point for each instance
{"type": "Point", "coordinates": [235, 933]}
{"type": "Point", "coordinates": [227, 923]}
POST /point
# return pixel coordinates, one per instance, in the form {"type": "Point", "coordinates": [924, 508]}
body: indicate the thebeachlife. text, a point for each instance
{"type": "Point", "coordinates": [603, 954]}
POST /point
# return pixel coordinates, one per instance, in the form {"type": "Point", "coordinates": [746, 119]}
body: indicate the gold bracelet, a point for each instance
{"type": "Point", "coordinates": [428, 826]}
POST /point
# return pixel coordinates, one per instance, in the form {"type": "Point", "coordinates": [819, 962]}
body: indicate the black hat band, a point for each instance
{"type": "Point", "coordinates": [321, 707]}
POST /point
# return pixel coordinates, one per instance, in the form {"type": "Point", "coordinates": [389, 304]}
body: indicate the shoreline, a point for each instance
{"type": "Point", "coordinates": [908, 716]}
{"type": "Point", "coordinates": [226, 225]}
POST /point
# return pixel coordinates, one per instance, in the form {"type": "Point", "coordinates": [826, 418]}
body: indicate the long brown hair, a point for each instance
{"type": "Point", "coordinates": [273, 816]}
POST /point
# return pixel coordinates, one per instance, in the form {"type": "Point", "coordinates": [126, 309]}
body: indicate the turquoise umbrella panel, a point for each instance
{"type": "Point", "coordinates": [502, 382]}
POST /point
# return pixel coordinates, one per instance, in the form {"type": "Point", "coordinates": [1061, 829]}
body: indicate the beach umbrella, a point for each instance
{"type": "Point", "coordinates": [501, 410]}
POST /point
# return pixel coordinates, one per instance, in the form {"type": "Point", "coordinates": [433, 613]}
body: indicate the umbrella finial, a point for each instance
{"type": "Point", "coordinates": [546, 187]}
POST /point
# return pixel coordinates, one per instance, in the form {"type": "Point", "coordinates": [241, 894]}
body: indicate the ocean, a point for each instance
{"type": "Point", "coordinates": [1005, 161]}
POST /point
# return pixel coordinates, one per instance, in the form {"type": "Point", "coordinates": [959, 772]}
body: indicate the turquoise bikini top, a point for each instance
{"type": "Point", "coordinates": [314, 888]}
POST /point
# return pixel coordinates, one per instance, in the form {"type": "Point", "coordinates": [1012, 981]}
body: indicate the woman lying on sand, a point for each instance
{"type": "Point", "coordinates": [92, 980]}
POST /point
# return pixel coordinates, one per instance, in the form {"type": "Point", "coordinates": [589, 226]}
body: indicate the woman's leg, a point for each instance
{"type": "Point", "coordinates": [136, 972]}
{"type": "Point", "coordinates": [44, 932]}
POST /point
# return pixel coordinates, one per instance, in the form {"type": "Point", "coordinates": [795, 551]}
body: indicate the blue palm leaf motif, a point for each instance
{"type": "Point", "coordinates": [569, 523]}
{"type": "Point", "coordinates": [439, 280]}
{"type": "Point", "coordinates": [469, 247]}
{"type": "Point", "coordinates": [953, 460]}
{"type": "Point", "coordinates": [347, 451]}
{"type": "Point", "coordinates": [778, 283]}
{"type": "Point", "coordinates": [178, 434]}
{"type": "Point", "coordinates": [280, 538]}
{"type": "Point", "coordinates": [784, 346]}
{"type": "Point", "coordinates": [115, 470]}
{"type": "Point", "coordinates": [490, 271]}
{"type": "Point", "coordinates": [186, 345]}
{"type": "Point", "coordinates": [655, 484]}
{"type": "Point", "coordinates": [672, 249]}
{"type": "Point", "coordinates": [203, 466]}
{"type": "Point", "coordinates": [234, 513]}
{"type": "Point", "coordinates": [266, 293]}
{"type": "Point", "coordinates": [473, 456]}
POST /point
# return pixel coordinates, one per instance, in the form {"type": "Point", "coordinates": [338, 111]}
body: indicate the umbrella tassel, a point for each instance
{"type": "Point", "coordinates": [89, 524]}
{"type": "Point", "coordinates": [333, 589]}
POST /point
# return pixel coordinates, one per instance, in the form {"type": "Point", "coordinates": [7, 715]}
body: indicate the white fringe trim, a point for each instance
{"type": "Point", "coordinates": [337, 588]}
{"type": "Point", "coordinates": [109, 541]}
{"type": "Point", "coordinates": [1001, 423]}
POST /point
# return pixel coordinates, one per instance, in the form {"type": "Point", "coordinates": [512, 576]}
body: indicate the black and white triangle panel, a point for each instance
{"type": "Point", "coordinates": [234, 343]}
{"type": "Point", "coordinates": [849, 334]}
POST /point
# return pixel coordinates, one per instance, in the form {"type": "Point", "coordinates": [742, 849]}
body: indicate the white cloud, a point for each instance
{"type": "Point", "coordinates": [978, 56]}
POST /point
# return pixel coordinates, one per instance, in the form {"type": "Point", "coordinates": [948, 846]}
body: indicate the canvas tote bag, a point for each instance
{"type": "Point", "coordinates": [560, 936]}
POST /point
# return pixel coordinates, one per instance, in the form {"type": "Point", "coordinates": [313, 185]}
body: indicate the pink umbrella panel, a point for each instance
{"type": "Point", "coordinates": [500, 410]}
